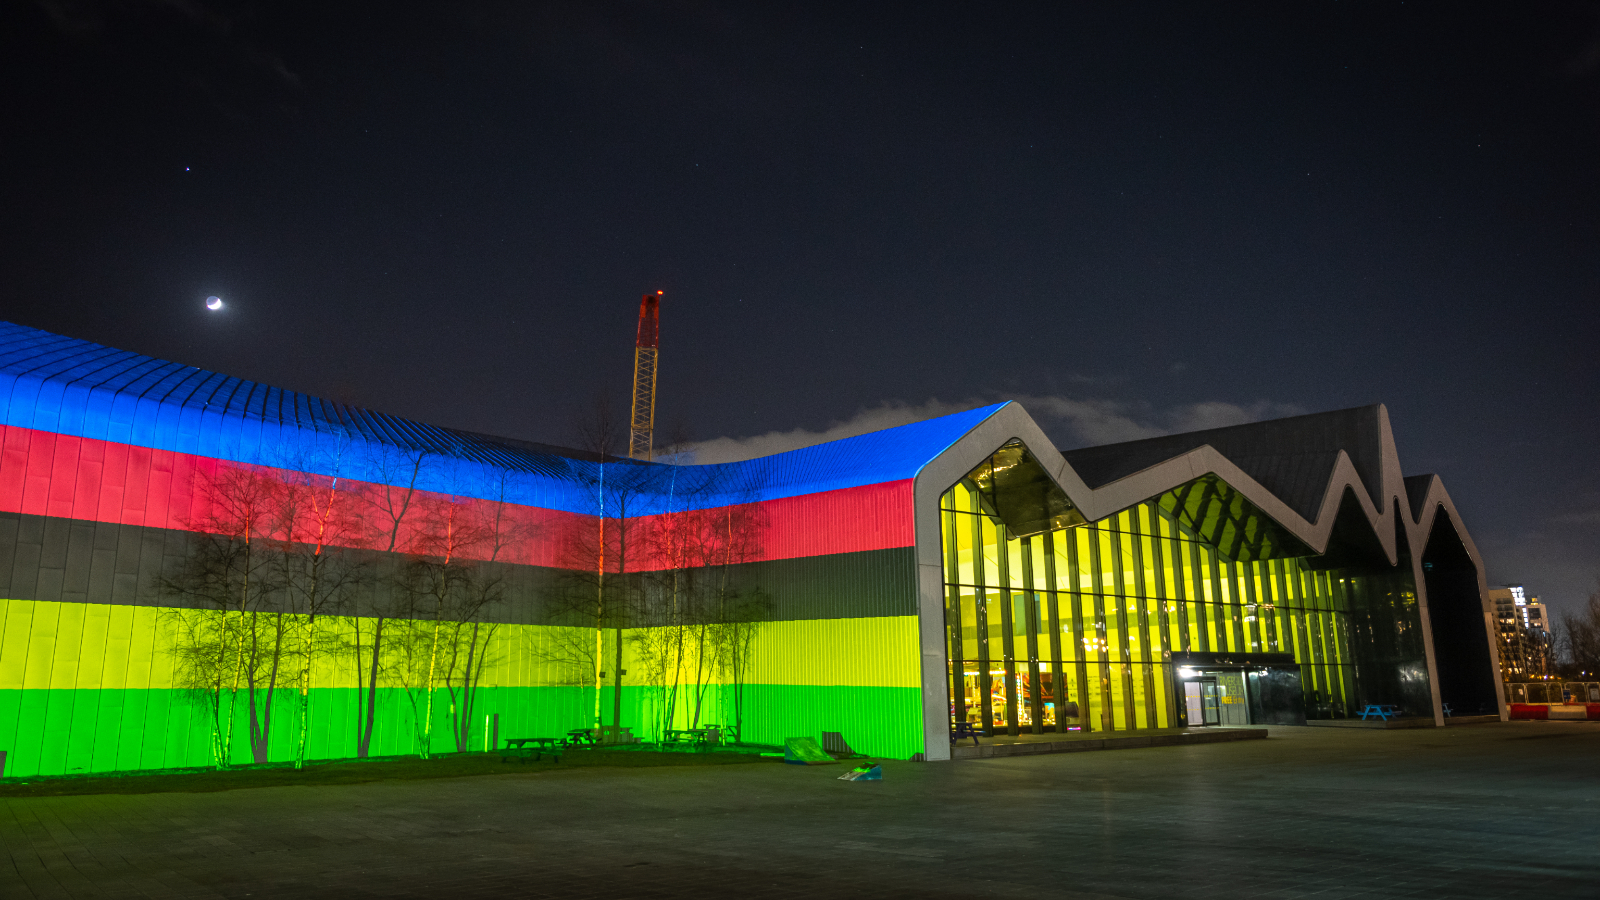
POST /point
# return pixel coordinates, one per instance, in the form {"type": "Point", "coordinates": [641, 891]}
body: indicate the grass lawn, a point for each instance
{"type": "Point", "coordinates": [355, 772]}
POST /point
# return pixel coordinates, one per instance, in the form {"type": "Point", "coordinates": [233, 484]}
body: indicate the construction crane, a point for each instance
{"type": "Point", "coordinates": [642, 428]}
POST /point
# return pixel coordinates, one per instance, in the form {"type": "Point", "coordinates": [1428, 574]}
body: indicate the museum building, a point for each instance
{"type": "Point", "coordinates": [199, 570]}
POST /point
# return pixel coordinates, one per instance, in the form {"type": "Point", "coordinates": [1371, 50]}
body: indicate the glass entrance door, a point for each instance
{"type": "Point", "coordinates": [1209, 698]}
{"type": "Point", "coordinates": [1201, 699]}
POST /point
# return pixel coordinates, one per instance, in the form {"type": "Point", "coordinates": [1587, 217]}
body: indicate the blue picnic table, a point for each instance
{"type": "Point", "coordinates": [1384, 711]}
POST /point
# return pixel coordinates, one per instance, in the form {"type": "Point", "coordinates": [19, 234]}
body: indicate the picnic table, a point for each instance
{"type": "Point", "coordinates": [581, 736]}
{"type": "Point", "coordinates": [962, 730]}
{"type": "Point", "coordinates": [521, 748]}
{"type": "Point", "coordinates": [700, 738]}
{"type": "Point", "coordinates": [725, 731]}
{"type": "Point", "coordinates": [1384, 711]}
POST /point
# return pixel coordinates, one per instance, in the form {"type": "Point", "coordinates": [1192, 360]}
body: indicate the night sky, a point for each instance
{"type": "Point", "coordinates": [1136, 219]}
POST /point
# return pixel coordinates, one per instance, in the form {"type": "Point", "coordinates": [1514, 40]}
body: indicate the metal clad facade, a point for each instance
{"type": "Point", "coordinates": [104, 458]}
{"type": "Point", "coordinates": [200, 413]}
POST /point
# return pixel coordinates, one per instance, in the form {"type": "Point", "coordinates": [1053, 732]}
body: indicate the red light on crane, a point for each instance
{"type": "Point", "coordinates": [649, 321]}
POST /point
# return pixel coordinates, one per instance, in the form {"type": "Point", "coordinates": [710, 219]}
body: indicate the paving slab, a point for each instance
{"type": "Point", "coordinates": [1305, 813]}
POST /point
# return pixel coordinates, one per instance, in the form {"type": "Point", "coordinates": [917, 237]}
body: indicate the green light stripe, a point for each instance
{"type": "Point", "coordinates": [78, 732]}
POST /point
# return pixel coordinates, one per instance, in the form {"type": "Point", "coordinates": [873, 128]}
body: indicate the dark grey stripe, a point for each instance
{"type": "Point", "coordinates": [76, 561]}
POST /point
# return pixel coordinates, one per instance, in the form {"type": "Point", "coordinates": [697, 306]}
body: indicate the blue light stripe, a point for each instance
{"type": "Point", "coordinates": [58, 384]}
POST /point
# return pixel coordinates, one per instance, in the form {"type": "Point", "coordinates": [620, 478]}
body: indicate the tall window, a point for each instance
{"type": "Point", "coordinates": [1075, 628]}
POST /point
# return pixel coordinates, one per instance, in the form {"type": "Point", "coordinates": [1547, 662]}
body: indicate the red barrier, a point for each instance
{"type": "Point", "coordinates": [1543, 711]}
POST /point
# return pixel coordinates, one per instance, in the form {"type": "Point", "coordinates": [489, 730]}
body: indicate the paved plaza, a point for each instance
{"type": "Point", "coordinates": [1490, 811]}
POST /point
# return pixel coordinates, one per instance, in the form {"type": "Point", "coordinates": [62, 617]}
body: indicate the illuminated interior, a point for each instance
{"type": "Point", "coordinates": [1088, 627]}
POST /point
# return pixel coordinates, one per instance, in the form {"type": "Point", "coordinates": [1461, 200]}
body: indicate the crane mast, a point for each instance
{"type": "Point", "coordinates": [642, 425]}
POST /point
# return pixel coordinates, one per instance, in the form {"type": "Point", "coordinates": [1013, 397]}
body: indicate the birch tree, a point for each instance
{"type": "Point", "coordinates": [320, 577]}
{"type": "Point", "coordinates": [387, 504]}
{"type": "Point", "coordinates": [599, 554]}
{"type": "Point", "coordinates": [227, 636]}
{"type": "Point", "coordinates": [452, 585]}
{"type": "Point", "coordinates": [700, 616]}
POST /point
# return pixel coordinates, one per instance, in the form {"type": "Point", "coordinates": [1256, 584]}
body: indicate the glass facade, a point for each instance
{"type": "Point", "coordinates": [1087, 628]}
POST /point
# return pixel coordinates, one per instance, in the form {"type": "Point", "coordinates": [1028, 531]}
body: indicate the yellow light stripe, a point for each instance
{"type": "Point", "coordinates": [51, 645]}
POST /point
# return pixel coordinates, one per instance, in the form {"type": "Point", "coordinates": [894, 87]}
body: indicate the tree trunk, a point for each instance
{"type": "Point", "coordinates": [616, 700]}
{"type": "Point", "coordinates": [469, 689]}
{"type": "Point", "coordinates": [305, 695]}
{"type": "Point", "coordinates": [261, 712]}
{"type": "Point", "coordinates": [366, 720]}
{"type": "Point", "coordinates": [433, 659]}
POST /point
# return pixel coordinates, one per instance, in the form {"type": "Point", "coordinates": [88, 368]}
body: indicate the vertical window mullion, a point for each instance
{"type": "Point", "coordinates": [1180, 593]}
{"type": "Point", "coordinates": [1086, 606]}
{"type": "Point", "coordinates": [953, 620]}
{"type": "Point", "coordinates": [1030, 607]}
{"type": "Point", "coordinates": [1097, 570]}
{"type": "Point", "coordinates": [1203, 598]}
{"type": "Point", "coordinates": [1138, 605]}
{"type": "Point", "coordinates": [1008, 625]}
{"type": "Point", "coordinates": [980, 596]}
{"type": "Point", "coordinates": [1058, 675]}
{"type": "Point", "coordinates": [1080, 635]}
{"type": "Point", "coordinates": [1251, 637]}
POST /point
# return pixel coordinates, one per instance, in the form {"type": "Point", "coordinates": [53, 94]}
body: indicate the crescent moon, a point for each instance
{"type": "Point", "coordinates": [213, 303]}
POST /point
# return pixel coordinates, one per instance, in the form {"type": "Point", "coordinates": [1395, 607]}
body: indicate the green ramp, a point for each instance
{"type": "Point", "coordinates": [803, 751]}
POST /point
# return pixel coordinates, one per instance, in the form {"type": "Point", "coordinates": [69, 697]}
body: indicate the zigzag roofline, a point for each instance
{"type": "Point", "coordinates": [1403, 507]}
{"type": "Point", "coordinates": [1402, 510]}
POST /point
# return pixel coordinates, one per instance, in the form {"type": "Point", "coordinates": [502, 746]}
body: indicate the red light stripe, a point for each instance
{"type": "Point", "coordinates": [47, 474]}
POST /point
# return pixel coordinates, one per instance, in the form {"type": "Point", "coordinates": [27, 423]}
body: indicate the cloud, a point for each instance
{"type": "Point", "coordinates": [1200, 416]}
{"type": "Point", "coordinates": [1084, 423]}
{"type": "Point", "coordinates": [1071, 422]}
{"type": "Point", "coordinates": [885, 415]}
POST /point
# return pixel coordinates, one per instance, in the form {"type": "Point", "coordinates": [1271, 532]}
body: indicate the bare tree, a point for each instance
{"type": "Point", "coordinates": [319, 521]}
{"type": "Point", "coordinates": [702, 623]}
{"type": "Point", "coordinates": [1579, 636]}
{"type": "Point", "coordinates": [656, 650]}
{"type": "Point", "coordinates": [744, 614]}
{"type": "Point", "coordinates": [436, 587]}
{"type": "Point", "coordinates": [599, 554]}
{"type": "Point", "coordinates": [471, 637]}
{"type": "Point", "coordinates": [683, 548]}
{"type": "Point", "coordinates": [277, 578]}
{"type": "Point", "coordinates": [228, 635]}
{"type": "Point", "coordinates": [388, 503]}
{"type": "Point", "coordinates": [450, 586]}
